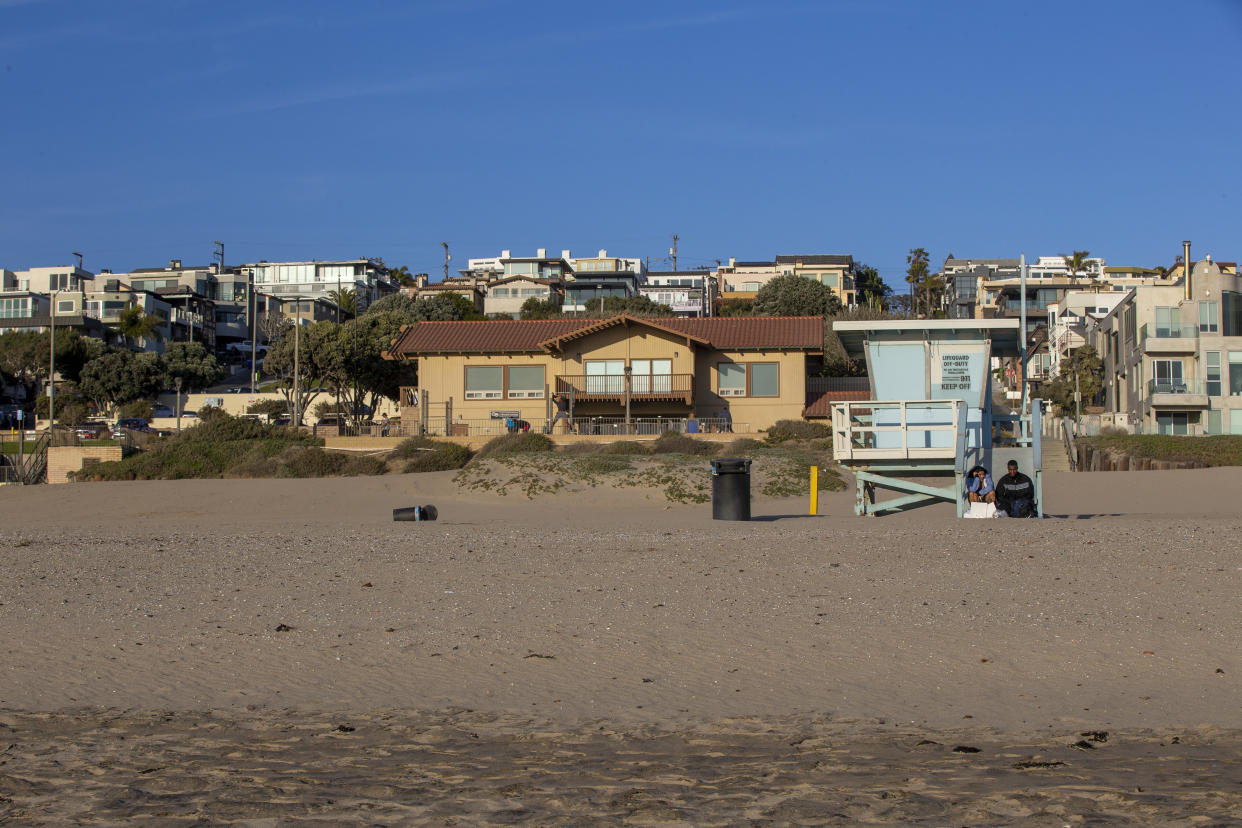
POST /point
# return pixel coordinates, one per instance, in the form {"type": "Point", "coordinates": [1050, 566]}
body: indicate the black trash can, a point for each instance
{"type": "Point", "coordinates": [731, 489]}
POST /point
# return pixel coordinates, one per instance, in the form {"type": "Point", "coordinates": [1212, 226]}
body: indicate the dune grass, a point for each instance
{"type": "Point", "coordinates": [1211, 450]}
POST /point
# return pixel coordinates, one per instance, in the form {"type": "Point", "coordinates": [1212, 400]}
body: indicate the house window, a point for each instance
{"type": "Point", "coordinates": [731, 379]}
{"type": "Point", "coordinates": [1167, 323]}
{"type": "Point", "coordinates": [524, 382]}
{"type": "Point", "coordinates": [65, 306]}
{"type": "Point", "coordinates": [1175, 422]}
{"type": "Point", "coordinates": [485, 382]}
{"type": "Point", "coordinates": [1214, 422]}
{"type": "Point", "coordinates": [1168, 376]}
{"type": "Point", "coordinates": [1213, 373]}
{"type": "Point", "coordinates": [754, 379]}
{"type": "Point", "coordinates": [500, 293]}
{"type": "Point", "coordinates": [15, 308]}
{"type": "Point", "coordinates": [1235, 374]}
{"type": "Point", "coordinates": [651, 376]}
{"type": "Point", "coordinates": [605, 376]}
{"type": "Point", "coordinates": [1209, 317]}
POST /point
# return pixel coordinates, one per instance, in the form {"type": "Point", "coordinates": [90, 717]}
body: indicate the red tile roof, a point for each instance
{"type": "Point", "coordinates": [803, 333]}
{"type": "Point", "coordinates": [819, 403]}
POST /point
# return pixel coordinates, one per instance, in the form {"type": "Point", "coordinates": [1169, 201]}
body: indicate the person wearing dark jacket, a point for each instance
{"type": "Point", "coordinates": [1015, 493]}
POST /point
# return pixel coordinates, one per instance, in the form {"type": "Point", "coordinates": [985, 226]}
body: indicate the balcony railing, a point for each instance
{"type": "Point", "coordinates": [642, 386]}
{"type": "Point", "coordinates": [1152, 331]}
{"type": "Point", "coordinates": [1175, 386]}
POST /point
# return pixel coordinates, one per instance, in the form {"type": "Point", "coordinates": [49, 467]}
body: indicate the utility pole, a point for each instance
{"type": "Point", "coordinates": [447, 258]}
{"type": "Point", "coordinates": [672, 251]}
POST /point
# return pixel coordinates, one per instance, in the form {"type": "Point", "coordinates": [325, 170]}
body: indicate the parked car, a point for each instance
{"type": "Point", "coordinates": [129, 424]}
{"type": "Point", "coordinates": [90, 430]}
{"type": "Point", "coordinates": [162, 410]}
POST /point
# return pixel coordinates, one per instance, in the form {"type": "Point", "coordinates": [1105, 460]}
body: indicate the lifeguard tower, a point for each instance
{"type": "Point", "coordinates": [931, 413]}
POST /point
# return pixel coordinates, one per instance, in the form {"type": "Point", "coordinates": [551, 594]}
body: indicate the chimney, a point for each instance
{"type": "Point", "coordinates": [732, 261]}
{"type": "Point", "coordinates": [174, 264]}
{"type": "Point", "coordinates": [1186, 267]}
{"type": "Point", "coordinates": [603, 254]}
{"type": "Point", "coordinates": [565, 254]}
{"type": "Point", "coordinates": [504, 254]}
{"type": "Point", "coordinates": [541, 253]}
{"type": "Point", "coordinates": [420, 281]}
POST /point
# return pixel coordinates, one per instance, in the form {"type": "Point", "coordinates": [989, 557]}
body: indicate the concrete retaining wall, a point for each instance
{"type": "Point", "coordinates": [64, 459]}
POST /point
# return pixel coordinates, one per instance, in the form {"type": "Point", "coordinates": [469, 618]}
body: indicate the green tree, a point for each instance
{"type": "Point", "coordinates": [121, 376]}
{"type": "Point", "coordinates": [838, 363]}
{"type": "Point", "coordinates": [872, 290]}
{"type": "Point", "coordinates": [269, 407]}
{"type": "Point", "coordinates": [403, 277]}
{"type": "Point", "coordinates": [303, 348]}
{"type": "Point", "coordinates": [791, 295]}
{"type": "Point", "coordinates": [442, 307]}
{"type": "Point", "coordinates": [916, 276]}
{"type": "Point", "coordinates": [191, 361]}
{"type": "Point", "coordinates": [137, 325]}
{"type": "Point", "coordinates": [536, 308]}
{"type": "Point", "coordinates": [737, 307]}
{"type": "Point", "coordinates": [1081, 369]}
{"type": "Point", "coordinates": [346, 300]}
{"type": "Point", "coordinates": [632, 305]}
{"type": "Point", "coordinates": [1076, 262]}
{"type": "Point", "coordinates": [352, 364]}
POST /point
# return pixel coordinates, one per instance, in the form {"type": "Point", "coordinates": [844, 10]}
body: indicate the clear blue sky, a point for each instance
{"type": "Point", "coordinates": [141, 131]}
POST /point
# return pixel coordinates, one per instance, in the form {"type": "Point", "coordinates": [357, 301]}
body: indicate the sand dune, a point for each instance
{"type": "Point", "coordinates": [228, 623]}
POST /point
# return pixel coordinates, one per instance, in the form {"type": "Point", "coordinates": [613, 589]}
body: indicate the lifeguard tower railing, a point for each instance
{"type": "Point", "coordinates": [886, 442]}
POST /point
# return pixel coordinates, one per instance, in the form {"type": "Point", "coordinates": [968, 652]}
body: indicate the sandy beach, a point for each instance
{"type": "Point", "coordinates": [271, 651]}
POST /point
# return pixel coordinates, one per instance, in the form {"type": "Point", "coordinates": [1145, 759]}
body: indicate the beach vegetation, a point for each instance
{"type": "Point", "coordinates": [422, 454]}
{"type": "Point", "coordinates": [519, 443]}
{"type": "Point", "coordinates": [785, 430]}
{"type": "Point", "coordinates": [674, 442]}
{"type": "Point", "coordinates": [1209, 450]}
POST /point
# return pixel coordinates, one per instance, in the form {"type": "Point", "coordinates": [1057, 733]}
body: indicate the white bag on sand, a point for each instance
{"type": "Point", "coordinates": [982, 510]}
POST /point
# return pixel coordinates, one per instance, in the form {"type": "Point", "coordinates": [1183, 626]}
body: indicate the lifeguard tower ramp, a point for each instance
{"type": "Point", "coordinates": [931, 417]}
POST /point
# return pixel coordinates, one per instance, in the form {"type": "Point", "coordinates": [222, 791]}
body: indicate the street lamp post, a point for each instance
{"type": "Point", "coordinates": [51, 372]}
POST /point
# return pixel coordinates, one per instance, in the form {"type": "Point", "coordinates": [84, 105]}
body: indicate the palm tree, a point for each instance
{"type": "Point", "coordinates": [916, 275]}
{"type": "Point", "coordinates": [345, 299]}
{"type": "Point", "coordinates": [1076, 263]}
{"type": "Point", "coordinates": [136, 324]}
{"type": "Point", "coordinates": [873, 289]}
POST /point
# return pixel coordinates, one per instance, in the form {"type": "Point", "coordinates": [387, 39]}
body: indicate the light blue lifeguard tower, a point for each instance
{"type": "Point", "coordinates": [930, 413]}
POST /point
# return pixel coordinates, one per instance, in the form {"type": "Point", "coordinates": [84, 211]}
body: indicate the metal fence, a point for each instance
{"type": "Point", "coordinates": [601, 426]}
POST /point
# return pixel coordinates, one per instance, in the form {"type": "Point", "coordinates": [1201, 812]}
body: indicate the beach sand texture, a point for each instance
{"type": "Point", "coordinates": [282, 650]}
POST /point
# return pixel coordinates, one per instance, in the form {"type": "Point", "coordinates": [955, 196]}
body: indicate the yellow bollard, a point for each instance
{"type": "Point", "coordinates": [814, 490]}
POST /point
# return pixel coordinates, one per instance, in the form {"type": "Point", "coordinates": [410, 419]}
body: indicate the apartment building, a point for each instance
{"type": "Point", "coordinates": [963, 278]}
{"type": "Point", "coordinates": [368, 278]}
{"type": "Point", "coordinates": [685, 291]}
{"type": "Point", "coordinates": [837, 272]}
{"type": "Point", "coordinates": [1172, 354]}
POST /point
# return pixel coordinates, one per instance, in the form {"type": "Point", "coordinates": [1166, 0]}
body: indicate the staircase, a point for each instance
{"type": "Point", "coordinates": [1054, 455]}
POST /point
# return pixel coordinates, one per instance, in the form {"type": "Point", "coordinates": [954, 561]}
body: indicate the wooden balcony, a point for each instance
{"type": "Point", "coordinates": [643, 387]}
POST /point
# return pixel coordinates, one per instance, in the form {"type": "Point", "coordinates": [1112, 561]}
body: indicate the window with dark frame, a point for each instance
{"type": "Point", "coordinates": [748, 379]}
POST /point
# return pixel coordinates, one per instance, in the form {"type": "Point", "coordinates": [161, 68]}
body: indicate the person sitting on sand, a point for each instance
{"type": "Point", "coordinates": [979, 486]}
{"type": "Point", "coordinates": [1015, 493]}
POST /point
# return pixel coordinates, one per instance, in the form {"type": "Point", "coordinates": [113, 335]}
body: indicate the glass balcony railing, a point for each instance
{"type": "Point", "coordinates": [1175, 386]}
{"type": "Point", "coordinates": [1152, 331]}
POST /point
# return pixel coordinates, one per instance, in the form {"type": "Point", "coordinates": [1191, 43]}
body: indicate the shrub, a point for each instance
{"type": "Point", "coordinates": [741, 447]}
{"type": "Point", "coordinates": [783, 430]}
{"type": "Point", "coordinates": [521, 443]}
{"type": "Point", "coordinates": [137, 408]}
{"type": "Point", "coordinates": [309, 461]}
{"type": "Point", "coordinates": [674, 442]}
{"type": "Point", "coordinates": [436, 457]}
{"type": "Point", "coordinates": [271, 408]}
{"type": "Point", "coordinates": [621, 447]}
